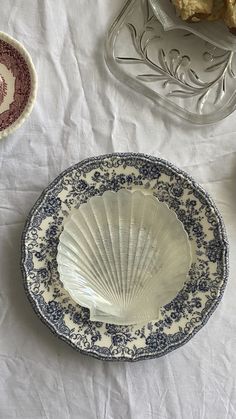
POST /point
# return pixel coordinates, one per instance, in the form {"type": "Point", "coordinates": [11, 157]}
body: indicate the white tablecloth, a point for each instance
{"type": "Point", "coordinates": [81, 111]}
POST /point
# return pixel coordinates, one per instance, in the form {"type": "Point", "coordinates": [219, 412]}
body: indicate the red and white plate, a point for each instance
{"type": "Point", "coordinates": [18, 84]}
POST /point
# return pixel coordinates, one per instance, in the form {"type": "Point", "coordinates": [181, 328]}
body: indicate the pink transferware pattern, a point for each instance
{"type": "Point", "coordinates": [18, 84]}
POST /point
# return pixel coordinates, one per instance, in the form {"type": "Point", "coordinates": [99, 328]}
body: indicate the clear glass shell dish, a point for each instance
{"type": "Point", "coordinates": [179, 70]}
{"type": "Point", "coordinates": [123, 255]}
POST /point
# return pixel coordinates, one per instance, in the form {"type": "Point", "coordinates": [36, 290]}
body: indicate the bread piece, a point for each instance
{"type": "Point", "coordinates": [218, 10]}
{"type": "Point", "coordinates": [193, 10]}
{"type": "Point", "coordinates": [230, 15]}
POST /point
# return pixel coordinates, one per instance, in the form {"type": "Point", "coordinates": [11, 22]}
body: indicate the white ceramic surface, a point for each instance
{"type": "Point", "coordinates": [123, 256]}
{"type": "Point", "coordinates": [18, 84]}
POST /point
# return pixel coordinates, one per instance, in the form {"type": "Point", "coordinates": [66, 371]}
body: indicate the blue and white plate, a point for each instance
{"type": "Point", "coordinates": [178, 320]}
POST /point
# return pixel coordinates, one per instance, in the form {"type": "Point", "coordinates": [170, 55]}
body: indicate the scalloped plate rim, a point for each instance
{"type": "Point", "coordinates": [34, 303]}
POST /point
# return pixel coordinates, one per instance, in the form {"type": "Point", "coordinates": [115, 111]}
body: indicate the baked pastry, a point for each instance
{"type": "Point", "coordinates": [197, 10]}
{"type": "Point", "coordinates": [193, 10]}
{"type": "Point", "coordinates": [230, 15]}
{"type": "Point", "coordinates": [218, 10]}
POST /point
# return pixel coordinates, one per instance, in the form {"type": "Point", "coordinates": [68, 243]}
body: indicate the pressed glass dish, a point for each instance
{"type": "Point", "coordinates": [179, 70]}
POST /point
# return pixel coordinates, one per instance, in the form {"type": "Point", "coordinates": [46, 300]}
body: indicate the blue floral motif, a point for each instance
{"type": "Point", "coordinates": [184, 315]}
{"type": "Point", "coordinates": [39, 256]}
{"type": "Point", "coordinates": [129, 179]}
{"type": "Point", "coordinates": [51, 206]}
{"type": "Point", "coordinates": [214, 250]}
{"type": "Point", "coordinates": [150, 171]}
{"type": "Point", "coordinates": [96, 176]}
{"type": "Point", "coordinates": [93, 191]}
{"type": "Point", "coordinates": [168, 321]}
{"type": "Point", "coordinates": [29, 262]}
{"type": "Point", "coordinates": [51, 235]}
{"type": "Point", "coordinates": [42, 273]}
{"type": "Point", "coordinates": [156, 341]}
{"type": "Point", "coordinates": [95, 337]}
{"type": "Point", "coordinates": [52, 231]}
{"type": "Point", "coordinates": [54, 311]}
{"type": "Point", "coordinates": [82, 185]}
{"type": "Point", "coordinates": [203, 286]}
{"type": "Point", "coordinates": [120, 335]}
{"type": "Point", "coordinates": [191, 286]}
{"type": "Point", "coordinates": [196, 302]}
{"type": "Point", "coordinates": [174, 205]}
{"type": "Point", "coordinates": [198, 229]}
{"type": "Point", "coordinates": [177, 190]}
{"type": "Point", "coordinates": [81, 317]}
{"type": "Point", "coordinates": [121, 179]}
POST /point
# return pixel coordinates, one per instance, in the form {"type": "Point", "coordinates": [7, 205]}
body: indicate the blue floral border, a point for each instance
{"type": "Point", "coordinates": [195, 185]}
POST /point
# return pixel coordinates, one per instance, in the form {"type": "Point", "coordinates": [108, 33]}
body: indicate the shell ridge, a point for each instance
{"type": "Point", "coordinates": [144, 253]}
{"type": "Point", "coordinates": [130, 255]}
{"type": "Point", "coordinates": [136, 249]}
{"type": "Point", "coordinates": [141, 260]}
{"type": "Point", "coordinates": [116, 277]}
{"type": "Point", "coordinates": [65, 254]}
{"type": "Point", "coordinates": [100, 262]}
{"type": "Point", "coordinates": [79, 279]}
{"type": "Point", "coordinates": [94, 238]}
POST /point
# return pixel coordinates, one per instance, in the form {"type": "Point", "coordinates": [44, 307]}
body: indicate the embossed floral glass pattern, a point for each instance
{"type": "Point", "coordinates": [179, 70]}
